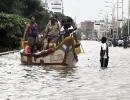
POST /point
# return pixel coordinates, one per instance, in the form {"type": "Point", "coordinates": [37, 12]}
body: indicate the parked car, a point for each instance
{"type": "Point", "coordinates": [120, 42]}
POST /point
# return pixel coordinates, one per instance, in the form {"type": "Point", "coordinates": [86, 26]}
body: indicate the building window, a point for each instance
{"type": "Point", "coordinates": [57, 8]}
{"type": "Point", "coordinates": [57, 4]}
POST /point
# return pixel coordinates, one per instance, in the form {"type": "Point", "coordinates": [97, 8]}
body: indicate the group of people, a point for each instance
{"type": "Point", "coordinates": [53, 33]}
{"type": "Point", "coordinates": [125, 41]}
{"type": "Point", "coordinates": [120, 41]}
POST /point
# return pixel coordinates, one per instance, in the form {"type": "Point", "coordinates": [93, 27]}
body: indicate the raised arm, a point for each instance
{"type": "Point", "coordinates": [25, 31]}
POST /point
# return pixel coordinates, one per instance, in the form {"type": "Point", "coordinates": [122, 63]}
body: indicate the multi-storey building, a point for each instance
{"type": "Point", "coordinates": [102, 28]}
{"type": "Point", "coordinates": [87, 27]}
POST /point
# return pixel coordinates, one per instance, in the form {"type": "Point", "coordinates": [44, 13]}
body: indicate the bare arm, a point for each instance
{"type": "Point", "coordinates": [46, 30]}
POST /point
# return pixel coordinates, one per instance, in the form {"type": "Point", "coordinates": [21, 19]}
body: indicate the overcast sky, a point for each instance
{"type": "Point", "coordinates": [91, 9]}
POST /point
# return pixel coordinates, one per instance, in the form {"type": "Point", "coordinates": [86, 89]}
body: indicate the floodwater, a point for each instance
{"type": "Point", "coordinates": [85, 81]}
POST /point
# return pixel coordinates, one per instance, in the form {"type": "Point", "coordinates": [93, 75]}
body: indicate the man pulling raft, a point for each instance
{"type": "Point", "coordinates": [55, 46]}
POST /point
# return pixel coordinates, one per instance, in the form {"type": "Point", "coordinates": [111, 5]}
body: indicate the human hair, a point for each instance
{"type": "Point", "coordinates": [56, 16]}
{"type": "Point", "coordinates": [69, 19]}
{"type": "Point", "coordinates": [104, 39]}
{"type": "Point", "coordinates": [63, 21]}
{"type": "Point", "coordinates": [30, 17]}
{"type": "Point", "coordinates": [52, 20]}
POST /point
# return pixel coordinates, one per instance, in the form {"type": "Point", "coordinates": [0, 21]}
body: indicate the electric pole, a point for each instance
{"type": "Point", "coordinates": [117, 17]}
{"type": "Point", "coordinates": [122, 17]}
{"type": "Point", "coordinates": [122, 8]}
{"type": "Point", "coordinates": [128, 17]}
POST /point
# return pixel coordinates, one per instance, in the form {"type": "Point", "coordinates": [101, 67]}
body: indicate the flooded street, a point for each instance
{"type": "Point", "coordinates": [85, 81]}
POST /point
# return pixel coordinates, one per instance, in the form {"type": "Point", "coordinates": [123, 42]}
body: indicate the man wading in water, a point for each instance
{"type": "Point", "coordinates": [104, 58]}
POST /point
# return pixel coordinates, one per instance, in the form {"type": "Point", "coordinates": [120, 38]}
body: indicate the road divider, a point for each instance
{"type": "Point", "coordinates": [8, 52]}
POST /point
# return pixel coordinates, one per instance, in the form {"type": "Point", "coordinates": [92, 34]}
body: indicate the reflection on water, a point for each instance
{"type": "Point", "coordinates": [85, 81]}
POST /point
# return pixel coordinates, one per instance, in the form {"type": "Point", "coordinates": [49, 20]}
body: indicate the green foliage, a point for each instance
{"type": "Point", "coordinates": [42, 19]}
{"type": "Point", "coordinates": [125, 29]}
{"type": "Point", "coordinates": [26, 8]}
{"type": "Point", "coordinates": [11, 29]}
{"type": "Point", "coordinates": [11, 6]}
{"type": "Point", "coordinates": [59, 16]}
{"type": "Point", "coordinates": [12, 25]}
{"type": "Point", "coordinates": [35, 8]}
{"type": "Point", "coordinates": [32, 7]}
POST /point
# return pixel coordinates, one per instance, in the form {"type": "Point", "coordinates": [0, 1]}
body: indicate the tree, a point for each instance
{"type": "Point", "coordinates": [13, 14]}
{"type": "Point", "coordinates": [60, 16]}
{"type": "Point", "coordinates": [125, 29]}
{"type": "Point", "coordinates": [11, 6]}
{"type": "Point", "coordinates": [11, 30]}
{"type": "Point", "coordinates": [32, 7]}
{"type": "Point", "coordinates": [26, 8]}
{"type": "Point", "coordinates": [35, 8]}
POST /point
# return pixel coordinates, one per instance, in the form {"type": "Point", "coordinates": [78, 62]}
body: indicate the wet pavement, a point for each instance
{"type": "Point", "coordinates": [85, 81]}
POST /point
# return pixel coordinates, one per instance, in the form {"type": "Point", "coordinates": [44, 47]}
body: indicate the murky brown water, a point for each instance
{"type": "Point", "coordinates": [85, 81]}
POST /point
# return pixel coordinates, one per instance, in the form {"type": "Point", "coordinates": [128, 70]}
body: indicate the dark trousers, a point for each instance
{"type": "Point", "coordinates": [53, 39]}
{"type": "Point", "coordinates": [32, 43]}
{"type": "Point", "coordinates": [104, 62]}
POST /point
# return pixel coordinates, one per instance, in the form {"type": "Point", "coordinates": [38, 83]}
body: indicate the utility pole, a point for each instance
{"type": "Point", "coordinates": [117, 17]}
{"type": "Point", "coordinates": [107, 22]}
{"type": "Point", "coordinates": [122, 17]}
{"type": "Point", "coordinates": [122, 8]}
{"type": "Point", "coordinates": [62, 7]}
{"type": "Point", "coordinates": [128, 17]}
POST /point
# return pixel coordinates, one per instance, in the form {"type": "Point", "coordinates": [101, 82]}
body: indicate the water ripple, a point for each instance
{"type": "Point", "coordinates": [85, 81]}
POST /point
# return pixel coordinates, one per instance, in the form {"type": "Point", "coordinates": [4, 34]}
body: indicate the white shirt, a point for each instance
{"type": "Point", "coordinates": [62, 28]}
{"type": "Point", "coordinates": [104, 47]}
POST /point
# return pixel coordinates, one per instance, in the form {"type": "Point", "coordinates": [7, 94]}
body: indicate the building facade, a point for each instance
{"type": "Point", "coordinates": [102, 28]}
{"type": "Point", "coordinates": [56, 6]}
{"type": "Point", "coordinates": [45, 4]}
{"type": "Point", "coordinates": [87, 27]}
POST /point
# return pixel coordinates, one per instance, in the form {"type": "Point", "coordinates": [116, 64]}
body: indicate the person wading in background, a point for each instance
{"type": "Point", "coordinates": [104, 57]}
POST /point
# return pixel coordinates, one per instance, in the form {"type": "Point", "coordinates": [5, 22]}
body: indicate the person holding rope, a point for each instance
{"type": "Point", "coordinates": [67, 30]}
{"type": "Point", "coordinates": [52, 31]}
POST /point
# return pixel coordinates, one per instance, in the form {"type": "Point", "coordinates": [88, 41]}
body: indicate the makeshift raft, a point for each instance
{"type": "Point", "coordinates": [65, 53]}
